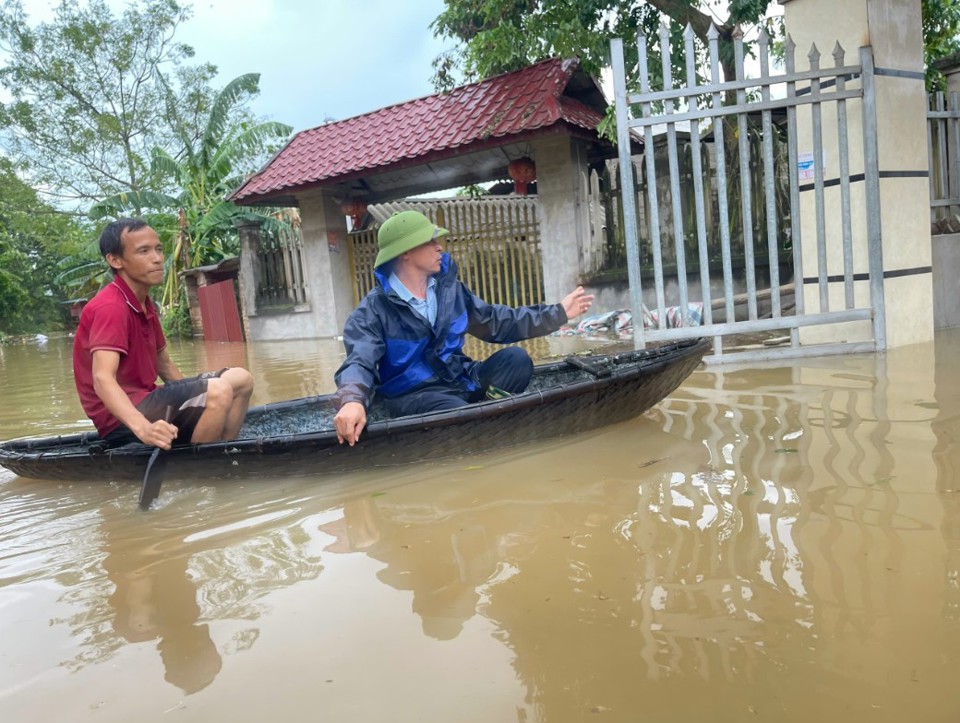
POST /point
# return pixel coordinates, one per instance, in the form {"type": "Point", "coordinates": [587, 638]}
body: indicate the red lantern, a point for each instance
{"type": "Point", "coordinates": [354, 208]}
{"type": "Point", "coordinates": [523, 172]}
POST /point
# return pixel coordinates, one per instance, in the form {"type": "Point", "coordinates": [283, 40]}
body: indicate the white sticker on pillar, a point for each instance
{"type": "Point", "coordinates": [805, 166]}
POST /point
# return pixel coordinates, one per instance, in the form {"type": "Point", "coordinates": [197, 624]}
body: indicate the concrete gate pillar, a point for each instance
{"type": "Point", "coordinates": [562, 212]}
{"type": "Point", "coordinates": [893, 29]}
{"type": "Point", "coordinates": [326, 263]}
{"type": "Point", "coordinates": [249, 270]}
{"type": "Point", "coordinates": [326, 270]}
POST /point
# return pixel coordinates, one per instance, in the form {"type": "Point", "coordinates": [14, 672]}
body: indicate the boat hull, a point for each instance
{"type": "Point", "coordinates": [566, 397]}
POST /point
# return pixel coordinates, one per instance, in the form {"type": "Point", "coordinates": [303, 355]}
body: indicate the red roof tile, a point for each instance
{"type": "Point", "coordinates": [514, 103]}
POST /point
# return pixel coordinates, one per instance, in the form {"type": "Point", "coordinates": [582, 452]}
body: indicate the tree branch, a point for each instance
{"type": "Point", "coordinates": [684, 13]}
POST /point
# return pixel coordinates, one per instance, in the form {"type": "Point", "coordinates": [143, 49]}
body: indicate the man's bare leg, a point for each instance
{"type": "Point", "coordinates": [211, 424]}
{"type": "Point", "coordinates": [242, 382]}
{"type": "Point", "coordinates": [228, 397]}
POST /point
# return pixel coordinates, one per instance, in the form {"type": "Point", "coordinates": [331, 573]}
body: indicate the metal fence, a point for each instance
{"type": "Point", "coordinates": [804, 96]}
{"type": "Point", "coordinates": [495, 242]}
{"type": "Point", "coordinates": [607, 250]}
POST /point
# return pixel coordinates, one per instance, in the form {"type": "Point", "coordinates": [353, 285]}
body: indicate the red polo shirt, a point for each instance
{"type": "Point", "coordinates": [114, 320]}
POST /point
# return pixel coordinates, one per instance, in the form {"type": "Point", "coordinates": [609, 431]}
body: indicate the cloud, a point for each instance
{"type": "Point", "coordinates": [319, 60]}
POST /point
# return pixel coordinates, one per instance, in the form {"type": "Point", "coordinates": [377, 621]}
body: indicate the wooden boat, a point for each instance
{"type": "Point", "coordinates": [297, 437]}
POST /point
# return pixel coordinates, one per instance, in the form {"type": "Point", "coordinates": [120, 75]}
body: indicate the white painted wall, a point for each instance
{"type": "Point", "coordinates": [562, 212]}
{"type": "Point", "coordinates": [893, 29]}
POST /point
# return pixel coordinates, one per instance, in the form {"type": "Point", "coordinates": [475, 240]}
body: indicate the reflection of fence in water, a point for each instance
{"type": "Point", "coordinates": [780, 519]}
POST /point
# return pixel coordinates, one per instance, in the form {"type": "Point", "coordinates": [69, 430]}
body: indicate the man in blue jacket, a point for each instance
{"type": "Point", "coordinates": [404, 341]}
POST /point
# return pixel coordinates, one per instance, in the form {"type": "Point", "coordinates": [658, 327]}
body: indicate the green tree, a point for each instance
{"type": "Point", "coordinates": [88, 95]}
{"type": "Point", "coordinates": [497, 36]}
{"type": "Point", "coordinates": [34, 238]}
{"type": "Point", "coordinates": [941, 36]}
{"type": "Point", "coordinates": [194, 212]}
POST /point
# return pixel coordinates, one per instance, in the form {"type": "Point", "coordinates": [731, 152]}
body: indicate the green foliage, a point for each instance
{"type": "Point", "coordinates": [473, 191]}
{"type": "Point", "coordinates": [192, 212]}
{"type": "Point", "coordinates": [607, 128]}
{"type": "Point", "coordinates": [34, 238]}
{"type": "Point", "coordinates": [88, 95]}
{"type": "Point", "coordinates": [496, 36]}
{"type": "Point", "coordinates": [103, 112]}
{"type": "Point", "coordinates": [176, 321]}
{"type": "Point", "coordinates": [941, 36]}
{"type": "Point", "coordinates": [81, 273]}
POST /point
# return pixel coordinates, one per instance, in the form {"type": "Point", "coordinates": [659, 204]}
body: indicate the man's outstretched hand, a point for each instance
{"type": "Point", "coordinates": [350, 421]}
{"type": "Point", "coordinates": [576, 302]}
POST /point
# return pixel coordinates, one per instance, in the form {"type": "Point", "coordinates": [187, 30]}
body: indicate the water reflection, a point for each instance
{"type": "Point", "coordinates": [779, 543]}
{"type": "Point", "coordinates": [37, 390]}
{"type": "Point", "coordinates": [946, 455]}
{"type": "Point", "coordinates": [759, 524]}
{"type": "Point", "coordinates": [131, 578]}
{"type": "Point", "coordinates": [431, 551]}
{"type": "Point", "coordinates": [155, 598]}
{"type": "Point", "coordinates": [443, 596]}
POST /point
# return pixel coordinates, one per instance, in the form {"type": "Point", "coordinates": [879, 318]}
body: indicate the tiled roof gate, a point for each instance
{"type": "Point", "coordinates": [495, 242]}
{"type": "Point", "coordinates": [468, 136]}
{"type": "Point", "coordinates": [508, 108]}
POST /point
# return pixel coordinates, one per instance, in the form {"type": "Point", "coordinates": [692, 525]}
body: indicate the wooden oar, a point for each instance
{"type": "Point", "coordinates": [153, 475]}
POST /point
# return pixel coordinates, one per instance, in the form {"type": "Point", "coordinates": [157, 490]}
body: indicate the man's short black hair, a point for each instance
{"type": "Point", "coordinates": [111, 236]}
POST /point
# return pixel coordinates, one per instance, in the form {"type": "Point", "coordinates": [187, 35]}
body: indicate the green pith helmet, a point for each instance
{"type": "Point", "coordinates": [405, 231]}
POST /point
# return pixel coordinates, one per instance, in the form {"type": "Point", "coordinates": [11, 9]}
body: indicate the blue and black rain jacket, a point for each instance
{"type": "Point", "coordinates": [392, 350]}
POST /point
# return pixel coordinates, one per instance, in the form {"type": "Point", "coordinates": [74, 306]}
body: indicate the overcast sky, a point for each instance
{"type": "Point", "coordinates": [317, 59]}
{"type": "Point", "coordinates": [320, 59]}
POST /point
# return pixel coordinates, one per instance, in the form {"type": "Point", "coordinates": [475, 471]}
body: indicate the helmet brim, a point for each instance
{"type": "Point", "coordinates": [409, 242]}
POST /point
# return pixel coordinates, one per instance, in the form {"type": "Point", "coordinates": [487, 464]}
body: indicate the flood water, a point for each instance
{"type": "Point", "coordinates": [779, 543]}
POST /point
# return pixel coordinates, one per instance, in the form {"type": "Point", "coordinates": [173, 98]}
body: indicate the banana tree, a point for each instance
{"type": "Point", "coordinates": [197, 218]}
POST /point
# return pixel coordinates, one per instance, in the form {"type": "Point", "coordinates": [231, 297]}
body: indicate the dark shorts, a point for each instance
{"type": "Point", "coordinates": [180, 402]}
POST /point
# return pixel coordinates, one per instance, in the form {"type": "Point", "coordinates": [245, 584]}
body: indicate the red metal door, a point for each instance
{"type": "Point", "coordinates": [218, 311]}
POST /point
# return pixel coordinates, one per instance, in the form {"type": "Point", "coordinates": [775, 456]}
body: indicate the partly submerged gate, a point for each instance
{"type": "Point", "coordinates": [816, 98]}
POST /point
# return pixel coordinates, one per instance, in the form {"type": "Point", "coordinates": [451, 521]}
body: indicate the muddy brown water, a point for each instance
{"type": "Point", "coordinates": [779, 543]}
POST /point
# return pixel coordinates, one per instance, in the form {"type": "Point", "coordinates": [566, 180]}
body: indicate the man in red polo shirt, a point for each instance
{"type": "Point", "coordinates": [119, 351]}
